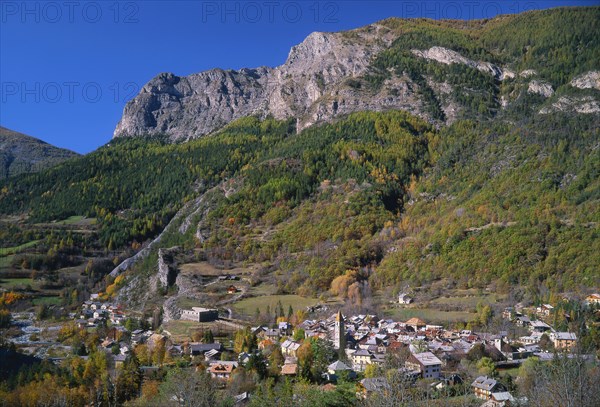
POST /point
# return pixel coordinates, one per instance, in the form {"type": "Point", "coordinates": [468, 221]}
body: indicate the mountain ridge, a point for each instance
{"type": "Point", "coordinates": [393, 64]}
{"type": "Point", "coordinates": [504, 197]}
{"type": "Point", "coordinates": [20, 153]}
{"type": "Point", "coordinates": [217, 96]}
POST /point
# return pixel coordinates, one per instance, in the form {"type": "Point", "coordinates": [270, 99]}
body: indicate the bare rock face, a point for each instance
{"type": "Point", "coordinates": [448, 56]}
{"type": "Point", "coordinates": [310, 83]}
{"type": "Point", "coordinates": [528, 73]}
{"type": "Point", "coordinates": [541, 88]}
{"type": "Point", "coordinates": [589, 80]}
{"type": "Point", "coordinates": [582, 105]}
{"type": "Point", "coordinates": [507, 74]}
{"type": "Point", "coordinates": [193, 105]}
{"type": "Point", "coordinates": [313, 85]}
{"type": "Point", "coordinates": [324, 77]}
{"type": "Point", "coordinates": [167, 268]}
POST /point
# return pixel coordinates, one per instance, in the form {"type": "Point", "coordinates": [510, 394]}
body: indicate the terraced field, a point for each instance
{"type": "Point", "coordinates": [429, 315]}
{"type": "Point", "coordinates": [203, 268]}
{"type": "Point", "coordinates": [248, 306]}
{"type": "Point", "coordinates": [10, 283]}
{"type": "Point", "coordinates": [6, 251]}
{"type": "Point", "coordinates": [466, 301]}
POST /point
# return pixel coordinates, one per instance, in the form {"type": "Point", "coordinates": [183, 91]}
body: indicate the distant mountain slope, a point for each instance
{"type": "Point", "coordinates": [537, 62]}
{"type": "Point", "coordinates": [503, 192]}
{"type": "Point", "coordinates": [386, 194]}
{"type": "Point", "coordinates": [20, 153]}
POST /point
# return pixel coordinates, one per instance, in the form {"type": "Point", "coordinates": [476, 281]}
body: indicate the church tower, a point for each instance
{"type": "Point", "coordinates": [339, 332]}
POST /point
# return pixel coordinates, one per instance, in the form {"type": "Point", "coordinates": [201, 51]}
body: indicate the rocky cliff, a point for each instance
{"type": "Point", "coordinates": [331, 74]}
{"type": "Point", "coordinates": [309, 86]}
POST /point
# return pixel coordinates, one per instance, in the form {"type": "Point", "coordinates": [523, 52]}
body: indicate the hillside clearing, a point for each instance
{"type": "Point", "coordinates": [429, 315]}
{"type": "Point", "coordinates": [249, 305]}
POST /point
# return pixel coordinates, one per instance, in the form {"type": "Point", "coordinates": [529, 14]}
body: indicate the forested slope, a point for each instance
{"type": "Point", "coordinates": [383, 199]}
{"type": "Point", "coordinates": [507, 195]}
{"type": "Point", "coordinates": [23, 154]}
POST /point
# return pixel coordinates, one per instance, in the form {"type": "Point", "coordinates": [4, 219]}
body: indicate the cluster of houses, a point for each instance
{"type": "Point", "coordinates": [538, 328]}
{"type": "Point", "coordinates": [94, 312]}
{"type": "Point", "coordinates": [361, 340]}
{"type": "Point", "coordinates": [367, 339]}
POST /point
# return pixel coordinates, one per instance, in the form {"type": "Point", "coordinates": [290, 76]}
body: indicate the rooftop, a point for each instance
{"type": "Point", "coordinates": [502, 396]}
{"type": "Point", "coordinates": [338, 365]}
{"type": "Point", "coordinates": [415, 321]}
{"type": "Point", "coordinates": [221, 368]}
{"type": "Point", "coordinates": [484, 383]}
{"type": "Point", "coordinates": [201, 309]}
{"type": "Point", "coordinates": [289, 369]}
{"type": "Point", "coordinates": [375, 384]}
{"type": "Point", "coordinates": [565, 336]}
{"type": "Point", "coordinates": [427, 359]}
{"type": "Point", "coordinates": [205, 347]}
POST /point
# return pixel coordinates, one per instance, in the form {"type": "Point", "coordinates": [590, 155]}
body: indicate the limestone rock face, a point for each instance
{"type": "Point", "coordinates": [589, 80]}
{"type": "Point", "coordinates": [448, 56]}
{"type": "Point", "coordinates": [582, 105]}
{"type": "Point", "coordinates": [324, 77]}
{"type": "Point", "coordinates": [313, 85]}
{"type": "Point", "coordinates": [183, 107]}
{"type": "Point", "coordinates": [527, 73]}
{"type": "Point", "coordinates": [167, 269]}
{"type": "Point", "coordinates": [541, 88]}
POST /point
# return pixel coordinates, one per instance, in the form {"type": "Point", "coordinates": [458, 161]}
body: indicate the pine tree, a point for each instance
{"type": "Point", "coordinates": [208, 337]}
{"type": "Point", "coordinates": [129, 381]}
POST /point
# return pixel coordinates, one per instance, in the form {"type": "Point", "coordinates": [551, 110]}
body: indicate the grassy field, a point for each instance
{"type": "Point", "coordinates": [57, 352]}
{"type": "Point", "coordinates": [467, 302]}
{"type": "Point", "coordinates": [74, 271]}
{"type": "Point", "coordinates": [186, 303]}
{"type": "Point", "coordinates": [181, 330]}
{"type": "Point", "coordinates": [429, 315]}
{"type": "Point", "coordinates": [77, 220]}
{"type": "Point", "coordinates": [46, 301]}
{"type": "Point", "coordinates": [179, 327]}
{"type": "Point", "coordinates": [10, 283]}
{"type": "Point", "coordinates": [5, 251]}
{"type": "Point", "coordinates": [513, 371]}
{"type": "Point", "coordinates": [6, 261]}
{"type": "Point", "coordinates": [262, 289]}
{"type": "Point", "coordinates": [204, 269]}
{"type": "Point", "coordinates": [248, 306]}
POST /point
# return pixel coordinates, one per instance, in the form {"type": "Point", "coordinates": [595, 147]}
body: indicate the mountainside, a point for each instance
{"type": "Point", "coordinates": [411, 191]}
{"type": "Point", "coordinates": [500, 198]}
{"type": "Point", "coordinates": [532, 63]}
{"type": "Point", "coordinates": [22, 154]}
{"type": "Point", "coordinates": [376, 201]}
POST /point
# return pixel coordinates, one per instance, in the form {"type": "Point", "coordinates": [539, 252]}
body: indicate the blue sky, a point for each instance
{"type": "Point", "coordinates": [67, 68]}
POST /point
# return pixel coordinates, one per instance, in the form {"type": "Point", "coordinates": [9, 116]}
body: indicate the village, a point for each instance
{"type": "Point", "coordinates": [361, 348]}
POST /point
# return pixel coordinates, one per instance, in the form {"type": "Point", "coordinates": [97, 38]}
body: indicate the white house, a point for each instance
{"type": "Point", "coordinates": [360, 359]}
{"type": "Point", "coordinates": [427, 363]}
{"type": "Point", "coordinates": [199, 314]}
{"type": "Point", "coordinates": [563, 340]}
